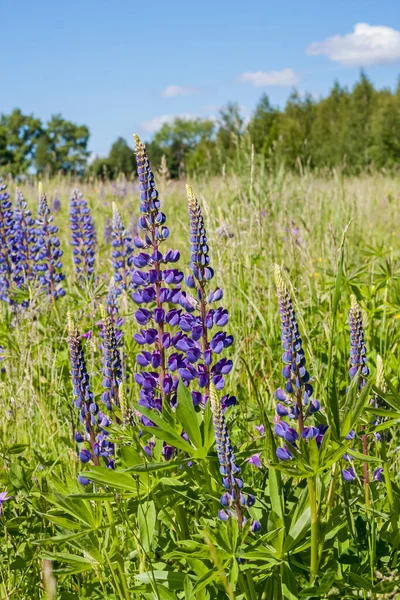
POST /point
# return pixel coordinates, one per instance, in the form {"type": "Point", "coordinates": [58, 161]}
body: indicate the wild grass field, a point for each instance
{"type": "Point", "coordinates": [316, 525]}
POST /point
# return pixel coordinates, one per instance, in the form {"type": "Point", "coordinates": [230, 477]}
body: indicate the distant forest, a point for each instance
{"type": "Point", "coordinates": [352, 129]}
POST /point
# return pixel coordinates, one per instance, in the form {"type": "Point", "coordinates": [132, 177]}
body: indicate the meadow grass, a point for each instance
{"type": "Point", "coordinates": [254, 220]}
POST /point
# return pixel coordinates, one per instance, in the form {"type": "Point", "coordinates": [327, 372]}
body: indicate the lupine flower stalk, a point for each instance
{"type": "Point", "coordinates": [83, 235]}
{"type": "Point", "coordinates": [358, 361]}
{"type": "Point", "coordinates": [156, 284]}
{"type": "Point", "coordinates": [113, 311]}
{"type": "Point", "coordinates": [233, 500]}
{"type": "Point", "coordinates": [94, 422]}
{"type": "Point", "coordinates": [112, 367]}
{"type": "Point", "coordinates": [46, 250]}
{"type": "Point", "coordinates": [296, 403]}
{"type": "Point", "coordinates": [122, 253]}
{"type": "Point", "coordinates": [23, 240]}
{"type": "Point", "coordinates": [6, 232]}
{"type": "Point", "coordinates": [199, 326]}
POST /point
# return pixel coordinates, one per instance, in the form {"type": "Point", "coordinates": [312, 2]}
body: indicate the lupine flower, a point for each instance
{"type": "Point", "coordinates": [358, 353]}
{"type": "Point", "coordinates": [107, 230]}
{"type": "Point", "coordinates": [56, 206]}
{"type": "Point", "coordinates": [23, 240]}
{"type": "Point", "coordinates": [260, 429]}
{"type": "Point", "coordinates": [377, 476]}
{"type": "Point", "coordinates": [46, 250]}
{"type": "Point", "coordinates": [6, 234]}
{"type": "Point", "coordinates": [112, 367]}
{"type": "Point", "coordinates": [348, 474]}
{"type": "Point", "coordinates": [3, 498]}
{"type": "Point", "coordinates": [233, 500]}
{"type": "Point", "coordinates": [255, 460]}
{"type": "Point", "coordinates": [200, 319]}
{"type": "Point", "coordinates": [295, 401]}
{"type": "Point", "coordinates": [83, 239]}
{"type": "Point", "coordinates": [122, 253]}
{"type": "Point", "coordinates": [94, 422]}
{"type": "Point", "coordinates": [113, 311]}
{"type": "Point", "coordinates": [157, 283]}
{"type": "Point", "coordinates": [358, 361]}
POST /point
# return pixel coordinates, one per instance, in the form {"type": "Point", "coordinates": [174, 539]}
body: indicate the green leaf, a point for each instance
{"type": "Point", "coordinates": [147, 521]}
{"type": "Point", "coordinates": [115, 479]}
{"type": "Point", "coordinates": [187, 416]}
{"type": "Point", "coordinates": [298, 530]}
{"type": "Point", "coordinates": [289, 583]}
{"type": "Point", "coordinates": [164, 431]}
{"type": "Point", "coordinates": [174, 580]}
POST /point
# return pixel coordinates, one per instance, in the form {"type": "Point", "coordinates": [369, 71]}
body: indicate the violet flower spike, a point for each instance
{"type": "Point", "coordinates": [122, 251]}
{"type": "Point", "coordinates": [358, 352]}
{"type": "Point", "coordinates": [23, 239]}
{"type": "Point", "coordinates": [157, 285]}
{"type": "Point", "coordinates": [233, 500]}
{"type": "Point", "coordinates": [46, 250]}
{"type": "Point", "coordinates": [94, 422]}
{"type": "Point", "coordinates": [295, 401]}
{"type": "Point", "coordinates": [6, 234]}
{"type": "Point", "coordinates": [112, 367]}
{"type": "Point", "coordinates": [83, 235]}
{"type": "Point", "coordinates": [198, 326]}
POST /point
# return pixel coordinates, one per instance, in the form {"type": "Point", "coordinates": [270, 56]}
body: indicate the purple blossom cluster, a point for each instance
{"type": "Point", "coordinates": [200, 320]}
{"type": "Point", "coordinates": [22, 241]}
{"type": "Point", "coordinates": [233, 500]}
{"type": "Point", "coordinates": [94, 439]}
{"type": "Point", "coordinates": [295, 400]}
{"type": "Point", "coordinates": [46, 251]}
{"type": "Point", "coordinates": [83, 235]}
{"type": "Point", "coordinates": [6, 234]}
{"type": "Point", "coordinates": [122, 252]}
{"type": "Point", "coordinates": [112, 366]}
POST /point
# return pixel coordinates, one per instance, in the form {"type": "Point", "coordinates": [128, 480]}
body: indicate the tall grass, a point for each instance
{"type": "Point", "coordinates": [156, 535]}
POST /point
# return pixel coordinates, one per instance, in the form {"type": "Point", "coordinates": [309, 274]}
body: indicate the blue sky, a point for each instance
{"type": "Point", "coordinates": [126, 66]}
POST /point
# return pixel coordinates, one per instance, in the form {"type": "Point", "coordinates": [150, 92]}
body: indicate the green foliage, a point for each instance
{"type": "Point", "coordinates": [149, 530]}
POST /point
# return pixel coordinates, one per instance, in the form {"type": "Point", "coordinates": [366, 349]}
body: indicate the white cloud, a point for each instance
{"type": "Point", "coordinates": [366, 45]}
{"type": "Point", "coordinates": [179, 90]}
{"type": "Point", "coordinates": [286, 77]}
{"type": "Point", "coordinates": [154, 124]}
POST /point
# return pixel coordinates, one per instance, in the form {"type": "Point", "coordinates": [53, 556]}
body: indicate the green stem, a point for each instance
{"type": "Point", "coordinates": [312, 495]}
{"type": "Point", "coordinates": [388, 484]}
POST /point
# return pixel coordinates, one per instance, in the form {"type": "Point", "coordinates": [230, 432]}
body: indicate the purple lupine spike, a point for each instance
{"type": "Point", "coordinates": [6, 235]}
{"type": "Point", "coordinates": [94, 422]}
{"type": "Point", "coordinates": [358, 352]}
{"type": "Point", "coordinates": [113, 311]}
{"type": "Point", "coordinates": [107, 230]}
{"type": "Point", "coordinates": [358, 362]}
{"type": "Point", "coordinates": [201, 318]}
{"type": "Point", "coordinates": [295, 402]}
{"type": "Point", "coordinates": [233, 500]}
{"type": "Point", "coordinates": [56, 205]}
{"type": "Point", "coordinates": [157, 284]}
{"type": "Point", "coordinates": [23, 239]}
{"type": "Point", "coordinates": [112, 366]}
{"type": "Point", "coordinates": [122, 251]}
{"type": "Point", "coordinates": [46, 250]}
{"type": "Point", "coordinates": [83, 235]}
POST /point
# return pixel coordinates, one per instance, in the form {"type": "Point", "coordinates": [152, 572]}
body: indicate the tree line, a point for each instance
{"type": "Point", "coordinates": [352, 129]}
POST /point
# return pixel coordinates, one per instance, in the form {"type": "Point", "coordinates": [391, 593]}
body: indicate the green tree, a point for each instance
{"type": "Point", "coordinates": [43, 155]}
{"type": "Point", "coordinates": [295, 125]}
{"type": "Point", "coordinates": [121, 158]}
{"type": "Point", "coordinates": [68, 145]}
{"type": "Point", "coordinates": [263, 127]}
{"type": "Point", "coordinates": [22, 133]}
{"type": "Point", "coordinates": [179, 139]}
{"type": "Point", "coordinates": [328, 131]}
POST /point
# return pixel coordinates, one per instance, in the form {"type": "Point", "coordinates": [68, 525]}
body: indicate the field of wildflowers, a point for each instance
{"type": "Point", "coordinates": [199, 387]}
